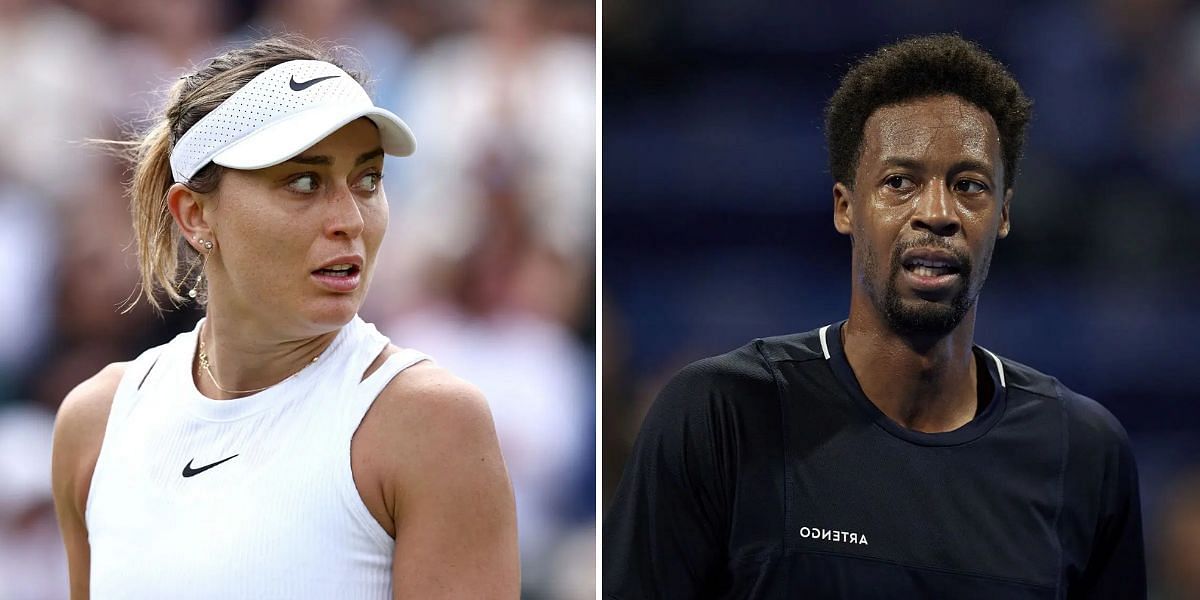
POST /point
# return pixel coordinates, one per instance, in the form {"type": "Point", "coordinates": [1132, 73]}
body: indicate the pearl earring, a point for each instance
{"type": "Point", "coordinates": [208, 246]}
{"type": "Point", "coordinates": [192, 292]}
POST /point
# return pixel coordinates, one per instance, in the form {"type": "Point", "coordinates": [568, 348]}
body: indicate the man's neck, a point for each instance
{"type": "Point", "coordinates": [928, 385]}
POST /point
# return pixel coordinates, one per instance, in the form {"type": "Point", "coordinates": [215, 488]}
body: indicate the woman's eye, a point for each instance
{"type": "Point", "coordinates": [305, 184]}
{"type": "Point", "coordinates": [898, 182]}
{"type": "Point", "coordinates": [967, 186]}
{"type": "Point", "coordinates": [370, 182]}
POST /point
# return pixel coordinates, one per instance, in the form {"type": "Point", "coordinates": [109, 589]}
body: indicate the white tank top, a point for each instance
{"type": "Point", "coordinates": [250, 498]}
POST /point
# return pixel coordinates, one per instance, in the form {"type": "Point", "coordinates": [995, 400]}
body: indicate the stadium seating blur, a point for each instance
{"type": "Point", "coordinates": [488, 265]}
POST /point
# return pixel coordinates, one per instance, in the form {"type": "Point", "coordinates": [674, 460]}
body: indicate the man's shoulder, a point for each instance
{"type": "Point", "coordinates": [735, 372]}
{"type": "Point", "coordinates": [1089, 421]}
{"type": "Point", "coordinates": [751, 363]}
{"type": "Point", "coordinates": [742, 376]}
{"type": "Point", "coordinates": [797, 347]}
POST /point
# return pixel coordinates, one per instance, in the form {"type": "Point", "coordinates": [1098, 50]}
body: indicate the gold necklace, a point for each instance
{"type": "Point", "coordinates": [202, 358]}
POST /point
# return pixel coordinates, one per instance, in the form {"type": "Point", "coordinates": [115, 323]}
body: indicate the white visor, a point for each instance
{"type": "Point", "coordinates": [279, 114]}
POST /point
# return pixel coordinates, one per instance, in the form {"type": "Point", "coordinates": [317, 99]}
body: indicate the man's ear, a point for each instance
{"type": "Point", "coordinates": [1004, 222]}
{"type": "Point", "coordinates": [187, 207]}
{"type": "Point", "coordinates": [843, 215]}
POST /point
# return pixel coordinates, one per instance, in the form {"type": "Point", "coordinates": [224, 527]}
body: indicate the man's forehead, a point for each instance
{"type": "Point", "coordinates": [942, 124]}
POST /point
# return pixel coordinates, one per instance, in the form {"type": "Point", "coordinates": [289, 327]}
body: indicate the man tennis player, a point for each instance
{"type": "Point", "coordinates": [887, 455]}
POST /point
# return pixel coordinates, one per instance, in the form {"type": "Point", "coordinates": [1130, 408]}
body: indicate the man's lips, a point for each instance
{"type": "Point", "coordinates": [930, 261]}
{"type": "Point", "coordinates": [922, 281]}
{"type": "Point", "coordinates": [931, 270]}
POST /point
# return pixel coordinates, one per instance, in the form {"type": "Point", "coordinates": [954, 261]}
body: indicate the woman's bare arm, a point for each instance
{"type": "Point", "coordinates": [78, 433]}
{"type": "Point", "coordinates": [445, 487]}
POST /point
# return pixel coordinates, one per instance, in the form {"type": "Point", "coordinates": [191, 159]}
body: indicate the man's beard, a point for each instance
{"type": "Point", "coordinates": [921, 317]}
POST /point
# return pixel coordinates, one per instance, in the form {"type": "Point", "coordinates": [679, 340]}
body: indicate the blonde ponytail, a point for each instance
{"type": "Point", "coordinates": [155, 231]}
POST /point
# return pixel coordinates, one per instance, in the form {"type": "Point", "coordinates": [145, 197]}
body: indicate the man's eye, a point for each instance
{"type": "Point", "coordinates": [898, 182]}
{"type": "Point", "coordinates": [305, 184]}
{"type": "Point", "coordinates": [967, 186]}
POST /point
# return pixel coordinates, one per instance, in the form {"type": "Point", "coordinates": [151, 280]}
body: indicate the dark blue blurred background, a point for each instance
{"type": "Point", "coordinates": [717, 223]}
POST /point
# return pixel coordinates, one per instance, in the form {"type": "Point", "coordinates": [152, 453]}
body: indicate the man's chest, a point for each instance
{"type": "Point", "coordinates": [849, 510]}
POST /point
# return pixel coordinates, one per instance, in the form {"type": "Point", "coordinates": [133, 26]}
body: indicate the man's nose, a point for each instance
{"type": "Point", "coordinates": [936, 210]}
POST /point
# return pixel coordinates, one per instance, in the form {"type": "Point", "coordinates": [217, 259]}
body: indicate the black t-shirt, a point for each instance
{"type": "Point", "coordinates": [767, 473]}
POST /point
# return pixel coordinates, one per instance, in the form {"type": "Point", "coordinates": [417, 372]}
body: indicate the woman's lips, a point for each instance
{"type": "Point", "coordinates": [338, 280]}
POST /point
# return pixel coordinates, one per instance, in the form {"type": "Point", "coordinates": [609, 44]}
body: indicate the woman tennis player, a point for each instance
{"type": "Point", "coordinates": [283, 448]}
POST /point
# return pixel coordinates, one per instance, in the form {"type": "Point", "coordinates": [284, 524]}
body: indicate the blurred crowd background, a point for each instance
{"type": "Point", "coordinates": [717, 211]}
{"type": "Point", "coordinates": [488, 265]}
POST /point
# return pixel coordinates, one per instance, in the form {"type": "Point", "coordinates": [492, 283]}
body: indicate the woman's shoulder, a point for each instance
{"type": "Point", "coordinates": [426, 390]}
{"type": "Point", "coordinates": [88, 405]}
{"type": "Point", "coordinates": [79, 432]}
{"type": "Point", "coordinates": [427, 410]}
{"type": "Point", "coordinates": [432, 444]}
{"type": "Point", "coordinates": [90, 402]}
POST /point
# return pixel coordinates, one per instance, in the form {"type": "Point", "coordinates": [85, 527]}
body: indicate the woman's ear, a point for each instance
{"type": "Point", "coordinates": [187, 206]}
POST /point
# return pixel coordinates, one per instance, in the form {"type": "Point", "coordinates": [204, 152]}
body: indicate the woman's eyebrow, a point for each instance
{"type": "Point", "coordinates": [321, 159]}
{"type": "Point", "coordinates": [368, 156]}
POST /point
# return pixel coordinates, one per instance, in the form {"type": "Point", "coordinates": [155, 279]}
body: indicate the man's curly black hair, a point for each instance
{"type": "Point", "coordinates": [921, 67]}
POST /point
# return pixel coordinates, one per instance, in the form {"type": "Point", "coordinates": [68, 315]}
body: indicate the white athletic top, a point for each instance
{"type": "Point", "coordinates": [250, 498]}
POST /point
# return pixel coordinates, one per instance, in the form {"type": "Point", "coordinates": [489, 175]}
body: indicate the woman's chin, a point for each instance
{"type": "Point", "coordinates": [332, 312]}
